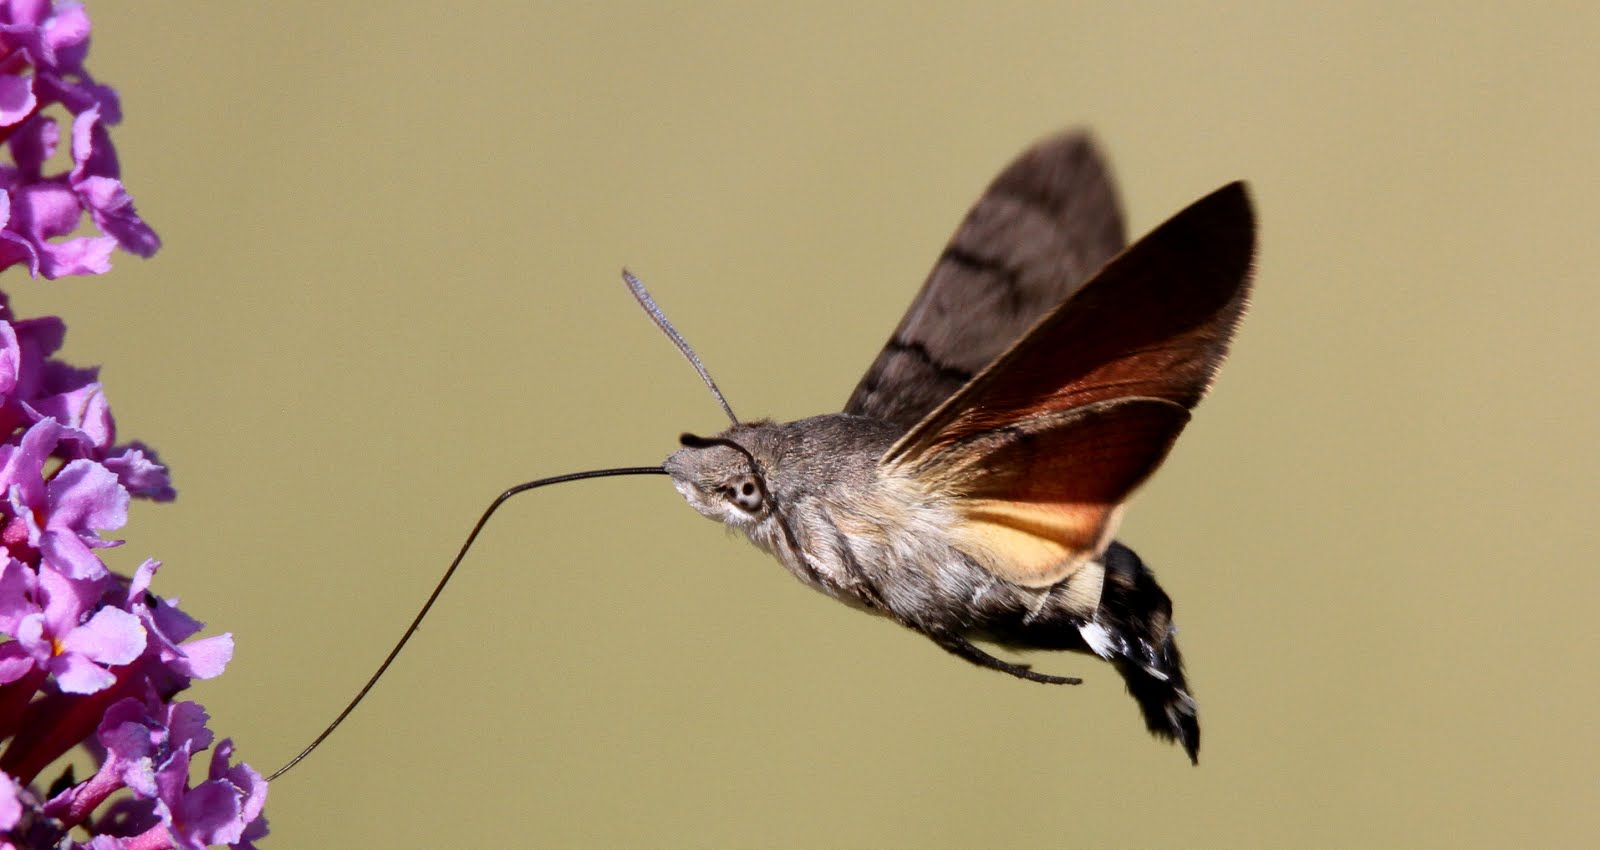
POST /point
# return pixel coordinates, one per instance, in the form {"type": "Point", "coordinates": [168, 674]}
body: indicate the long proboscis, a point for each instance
{"type": "Point", "coordinates": [445, 579]}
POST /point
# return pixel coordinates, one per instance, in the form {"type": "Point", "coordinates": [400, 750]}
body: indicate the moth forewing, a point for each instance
{"type": "Point", "coordinates": [1041, 228]}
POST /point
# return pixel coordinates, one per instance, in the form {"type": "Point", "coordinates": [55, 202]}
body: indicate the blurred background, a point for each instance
{"type": "Point", "coordinates": [389, 290]}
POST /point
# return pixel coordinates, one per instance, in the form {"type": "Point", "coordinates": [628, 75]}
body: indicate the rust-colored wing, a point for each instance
{"type": "Point", "coordinates": [1042, 447]}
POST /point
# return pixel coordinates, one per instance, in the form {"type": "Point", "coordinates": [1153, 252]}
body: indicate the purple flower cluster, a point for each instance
{"type": "Point", "coordinates": [89, 657]}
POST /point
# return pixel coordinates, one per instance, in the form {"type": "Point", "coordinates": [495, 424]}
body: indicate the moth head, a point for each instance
{"type": "Point", "coordinates": [724, 477]}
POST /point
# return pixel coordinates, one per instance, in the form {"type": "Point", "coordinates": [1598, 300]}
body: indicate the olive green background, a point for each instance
{"type": "Point", "coordinates": [389, 290]}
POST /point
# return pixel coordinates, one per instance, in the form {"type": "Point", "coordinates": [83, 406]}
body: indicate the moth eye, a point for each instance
{"type": "Point", "coordinates": [745, 493]}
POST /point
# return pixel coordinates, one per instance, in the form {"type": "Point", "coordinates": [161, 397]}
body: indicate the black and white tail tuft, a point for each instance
{"type": "Point", "coordinates": [1134, 631]}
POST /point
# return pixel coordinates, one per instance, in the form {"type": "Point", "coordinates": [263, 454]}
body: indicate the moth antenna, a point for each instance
{"type": "Point", "coordinates": [642, 295]}
{"type": "Point", "coordinates": [439, 588]}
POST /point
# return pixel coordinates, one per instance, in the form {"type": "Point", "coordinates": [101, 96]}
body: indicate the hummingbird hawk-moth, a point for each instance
{"type": "Point", "coordinates": [971, 488]}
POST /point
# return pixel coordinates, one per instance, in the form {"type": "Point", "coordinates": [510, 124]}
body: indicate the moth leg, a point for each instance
{"type": "Point", "coordinates": [960, 646]}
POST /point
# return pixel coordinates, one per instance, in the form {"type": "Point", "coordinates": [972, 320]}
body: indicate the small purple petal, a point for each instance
{"type": "Point", "coordinates": [65, 599]}
{"type": "Point", "coordinates": [111, 637]}
{"type": "Point", "coordinates": [66, 34]}
{"type": "Point", "coordinates": [205, 658]}
{"type": "Point", "coordinates": [33, 144]}
{"type": "Point", "coordinates": [10, 354]}
{"type": "Point", "coordinates": [172, 777]}
{"type": "Point", "coordinates": [41, 337]}
{"type": "Point", "coordinates": [15, 249]}
{"type": "Point", "coordinates": [16, 99]}
{"type": "Point", "coordinates": [112, 209]}
{"type": "Point", "coordinates": [84, 255]}
{"type": "Point", "coordinates": [141, 471]}
{"type": "Point", "coordinates": [172, 622]}
{"type": "Point", "coordinates": [17, 584]}
{"type": "Point", "coordinates": [69, 553]}
{"type": "Point", "coordinates": [122, 713]}
{"type": "Point", "coordinates": [186, 724]}
{"type": "Point", "coordinates": [30, 637]}
{"type": "Point", "coordinates": [92, 155]}
{"type": "Point", "coordinates": [85, 495]}
{"type": "Point", "coordinates": [209, 814]}
{"type": "Point", "coordinates": [43, 211]}
{"type": "Point", "coordinates": [125, 732]}
{"type": "Point", "coordinates": [22, 465]}
{"type": "Point", "coordinates": [78, 675]}
{"type": "Point", "coordinates": [82, 410]}
{"type": "Point", "coordinates": [243, 776]}
{"type": "Point", "coordinates": [29, 13]}
{"type": "Point", "coordinates": [142, 577]}
{"type": "Point", "coordinates": [15, 662]}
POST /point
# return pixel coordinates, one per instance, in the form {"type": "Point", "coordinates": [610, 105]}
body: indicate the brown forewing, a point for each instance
{"type": "Point", "coordinates": [1045, 224]}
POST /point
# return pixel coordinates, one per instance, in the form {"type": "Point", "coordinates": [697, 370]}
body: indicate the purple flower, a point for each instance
{"type": "Point", "coordinates": [140, 744]}
{"type": "Point", "coordinates": [59, 639]}
{"type": "Point", "coordinates": [60, 518]}
{"type": "Point", "coordinates": [82, 497]}
{"type": "Point", "coordinates": [224, 809]}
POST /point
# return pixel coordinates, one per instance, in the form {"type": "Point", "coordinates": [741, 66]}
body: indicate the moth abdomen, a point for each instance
{"type": "Point", "coordinates": [1136, 616]}
{"type": "Point", "coordinates": [1131, 627]}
